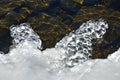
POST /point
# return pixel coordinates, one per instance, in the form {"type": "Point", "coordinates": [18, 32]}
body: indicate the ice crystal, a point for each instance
{"type": "Point", "coordinates": [78, 44]}
{"type": "Point", "coordinates": [23, 32]}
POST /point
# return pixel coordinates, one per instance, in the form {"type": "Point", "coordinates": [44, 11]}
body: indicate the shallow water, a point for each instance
{"type": "Point", "coordinates": [58, 18]}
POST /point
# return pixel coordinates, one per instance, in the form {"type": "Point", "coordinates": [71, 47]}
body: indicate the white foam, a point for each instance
{"type": "Point", "coordinates": [26, 61]}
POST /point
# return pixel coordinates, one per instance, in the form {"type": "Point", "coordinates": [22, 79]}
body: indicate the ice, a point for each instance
{"type": "Point", "coordinates": [23, 32]}
{"type": "Point", "coordinates": [78, 44]}
{"type": "Point", "coordinates": [26, 61]}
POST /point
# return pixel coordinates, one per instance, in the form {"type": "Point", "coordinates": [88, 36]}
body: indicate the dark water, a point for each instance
{"type": "Point", "coordinates": [56, 18]}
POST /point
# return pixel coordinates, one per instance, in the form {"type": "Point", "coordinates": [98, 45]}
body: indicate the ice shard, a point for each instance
{"type": "Point", "coordinates": [78, 44]}
{"type": "Point", "coordinates": [24, 32]}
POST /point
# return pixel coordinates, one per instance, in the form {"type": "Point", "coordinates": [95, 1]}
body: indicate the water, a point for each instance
{"type": "Point", "coordinates": [26, 61]}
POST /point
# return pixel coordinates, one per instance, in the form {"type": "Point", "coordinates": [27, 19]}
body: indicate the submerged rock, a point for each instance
{"type": "Point", "coordinates": [56, 18]}
{"type": "Point", "coordinates": [110, 41]}
{"type": "Point", "coordinates": [50, 29]}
